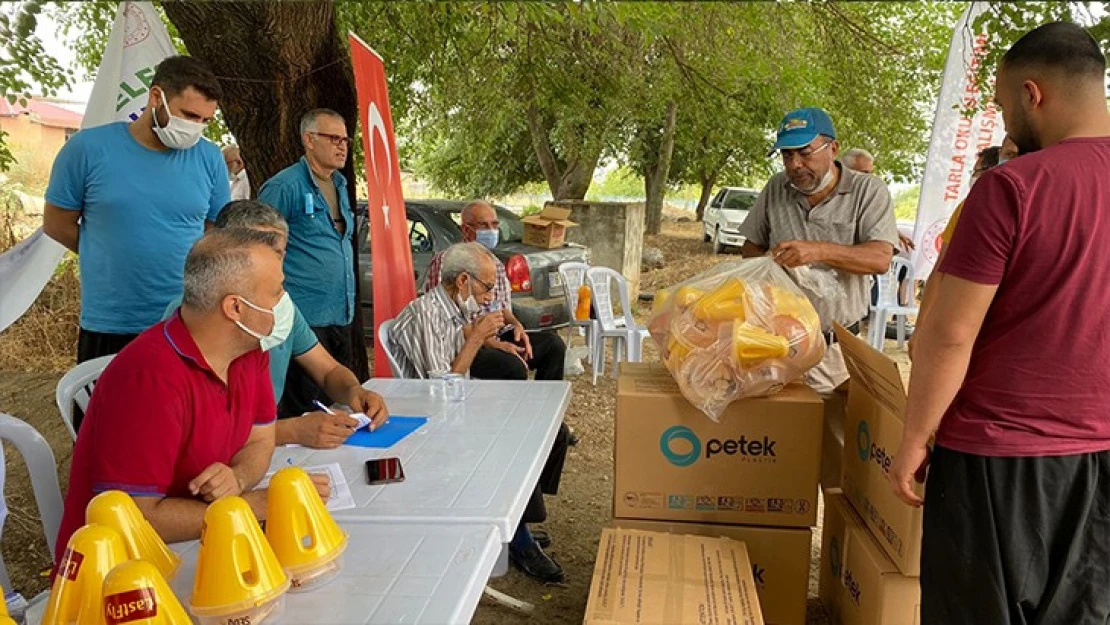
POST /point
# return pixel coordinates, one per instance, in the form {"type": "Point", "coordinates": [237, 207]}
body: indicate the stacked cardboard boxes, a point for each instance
{"type": "Point", "coordinates": [652, 578]}
{"type": "Point", "coordinates": [752, 477]}
{"type": "Point", "coordinates": [876, 582]}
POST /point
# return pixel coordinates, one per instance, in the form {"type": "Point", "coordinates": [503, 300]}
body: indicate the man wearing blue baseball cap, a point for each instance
{"type": "Point", "coordinates": [819, 213]}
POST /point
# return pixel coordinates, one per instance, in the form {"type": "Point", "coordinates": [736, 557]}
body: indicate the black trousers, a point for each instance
{"type": "Point", "coordinates": [548, 358]}
{"type": "Point", "coordinates": [1016, 541]}
{"type": "Point", "coordinates": [536, 510]}
{"type": "Point", "coordinates": [300, 390]}
{"type": "Point", "coordinates": [92, 345]}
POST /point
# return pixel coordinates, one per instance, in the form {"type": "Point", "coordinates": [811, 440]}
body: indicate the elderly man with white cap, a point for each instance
{"type": "Point", "coordinates": [819, 213]}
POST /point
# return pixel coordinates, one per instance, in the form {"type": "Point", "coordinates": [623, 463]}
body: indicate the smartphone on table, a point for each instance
{"type": "Point", "coordinates": [384, 471]}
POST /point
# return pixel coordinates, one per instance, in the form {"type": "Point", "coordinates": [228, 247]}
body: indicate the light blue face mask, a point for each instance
{"type": "Point", "coordinates": [488, 238]}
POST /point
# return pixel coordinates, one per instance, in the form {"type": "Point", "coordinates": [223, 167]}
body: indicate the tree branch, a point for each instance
{"type": "Point", "coordinates": [860, 31]}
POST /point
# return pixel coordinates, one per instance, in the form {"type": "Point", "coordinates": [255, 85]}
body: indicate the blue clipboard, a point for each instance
{"type": "Point", "coordinates": [388, 435]}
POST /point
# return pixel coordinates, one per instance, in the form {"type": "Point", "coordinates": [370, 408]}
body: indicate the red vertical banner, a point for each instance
{"type": "Point", "coordinates": [390, 253]}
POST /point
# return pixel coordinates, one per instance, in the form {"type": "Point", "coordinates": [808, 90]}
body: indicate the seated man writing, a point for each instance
{"type": "Point", "coordinates": [434, 334]}
{"type": "Point", "coordinates": [293, 339]}
{"type": "Point", "coordinates": [184, 415]}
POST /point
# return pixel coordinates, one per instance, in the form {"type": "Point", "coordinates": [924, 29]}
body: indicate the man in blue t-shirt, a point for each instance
{"type": "Point", "coordinates": [295, 342]}
{"type": "Point", "coordinates": [131, 199]}
{"type": "Point", "coordinates": [311, 195]}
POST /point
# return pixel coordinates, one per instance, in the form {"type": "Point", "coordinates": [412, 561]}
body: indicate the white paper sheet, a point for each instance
{"type": "Point", "coordinates": [341, 498]}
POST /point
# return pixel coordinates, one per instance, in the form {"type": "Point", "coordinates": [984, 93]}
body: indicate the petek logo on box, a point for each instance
{"type": "Point", "coordinates": [870, 452]}
{"type": "Point", "coordinates": [747, 449]}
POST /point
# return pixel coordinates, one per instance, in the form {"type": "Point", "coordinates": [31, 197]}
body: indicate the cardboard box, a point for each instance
{"type": "Point", "coordinates": [665, 579]}
{"type": "Point", "coordinates": [872, 433]}
{"type": "Point", "coordinates": [548, 229]}
{"type": "Point", "coordinates": [859, 584]}
{"type": "Point", "coordinates": [758, 466]}
{"type": "Point", "coordinates": [832, 446]}
{"type": "Point", "coordinates": [780, 562]}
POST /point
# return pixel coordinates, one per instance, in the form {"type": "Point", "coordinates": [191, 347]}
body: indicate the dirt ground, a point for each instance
{"type": "Point", "coordinates": [576, 515]}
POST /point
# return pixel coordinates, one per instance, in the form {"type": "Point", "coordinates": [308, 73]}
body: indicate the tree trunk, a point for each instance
{"type": "Point", "coordinates": [656, 174]}
{"type": "Point", "coordinates": [569, 181]}
{"type": "Point", "coordinates": [708, 180]}
{"type": "Point", "coordinates": [276, 61]}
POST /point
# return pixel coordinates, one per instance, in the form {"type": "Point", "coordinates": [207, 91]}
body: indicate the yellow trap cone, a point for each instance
{"type": "Point", "coordinates": [238, 575]}
{"type": "Point", "coordinates": [135, 593]}
{"type": "Point", "coordinates": [307, 540]}
{"type": "Point", "coordinates": [92, 552]}
{"type": "Point", "coordinates": [117, 510]}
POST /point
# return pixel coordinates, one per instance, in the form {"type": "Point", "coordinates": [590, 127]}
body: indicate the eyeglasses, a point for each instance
{"type": "Point", "coordinates": [336, 140]}
{"type": "Point", "coordinates": [486, 288]}
{"type": "Point", "coordinates": [804, 154]}
{"type": "Point", "coordinates": [484, 225]}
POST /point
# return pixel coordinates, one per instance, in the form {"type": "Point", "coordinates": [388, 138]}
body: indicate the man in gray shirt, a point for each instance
{"type": "Point", "coordinates": [820, 213]}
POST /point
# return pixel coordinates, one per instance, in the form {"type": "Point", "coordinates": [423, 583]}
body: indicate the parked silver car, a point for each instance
{"type": "Point", "coordinates": [433, 225]}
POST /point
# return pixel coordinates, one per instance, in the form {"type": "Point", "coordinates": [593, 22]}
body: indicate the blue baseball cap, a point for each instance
{"type": "Point", "coordinates": [799, 128]}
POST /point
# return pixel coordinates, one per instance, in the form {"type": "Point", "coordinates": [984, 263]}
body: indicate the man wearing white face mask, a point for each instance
{"type": "Point", "coordinates": [510, 354]}
{"type": "Point", "coordinates": [822, 214]}
{"type": "Point", "coordinates": [131, 198]}
{"type": "Point", "coordinates": [292, 340]}
{"type": "Point", "coordinates": [184, 415]}
{"type": "Point", "coordinates": [433, 333]}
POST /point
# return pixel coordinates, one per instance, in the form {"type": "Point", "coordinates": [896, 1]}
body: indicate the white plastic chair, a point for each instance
{"type": "Point", "coordinates": [574, 276]}
{"type": "Point", "coordinates": [627, 336]}
{"type": "Point", "coordinates": [383, 345]}
{"type": "Point", "coordinates": [77, 387]}
{"type": "Point", "coordinates": [44, 480]}
{"type": "Point", "coordinates": [889, 305]}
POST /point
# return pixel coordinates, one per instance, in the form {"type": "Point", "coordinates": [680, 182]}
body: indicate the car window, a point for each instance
{"type": "Point", "coordinates": [716, 203]}
{"type": "Point", "coordinates": [740, 200]}
{"type": "Point", "coordinates": [363, 235]}
{"type": "Point", "coordinates": [419, 237]}
{"type": "Point", "coordinates": [512, 228]}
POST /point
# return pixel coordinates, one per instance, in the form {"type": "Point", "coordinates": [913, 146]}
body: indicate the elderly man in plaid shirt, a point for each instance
{"type": "Point", "coordinates": [510, 354]}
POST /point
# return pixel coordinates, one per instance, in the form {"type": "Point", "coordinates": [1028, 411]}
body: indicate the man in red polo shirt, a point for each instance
{"type": "Point", "coordinates": [185, 414]}
{"type": "Point", "coordinates": [1010, 369]}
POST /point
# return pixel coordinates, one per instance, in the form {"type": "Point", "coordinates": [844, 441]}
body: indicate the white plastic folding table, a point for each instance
{"type": "Point", "coordinates": [473, 462]}
{"type": "Point", "coordinates": [392, 573]}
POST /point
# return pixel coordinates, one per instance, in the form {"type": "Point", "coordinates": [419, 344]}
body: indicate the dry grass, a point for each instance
{"type": "Point", "coordinates": [45, 338]}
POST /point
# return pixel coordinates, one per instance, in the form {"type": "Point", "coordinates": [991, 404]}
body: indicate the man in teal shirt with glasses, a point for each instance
{"type": "Point", "coordinates": [311, 195]}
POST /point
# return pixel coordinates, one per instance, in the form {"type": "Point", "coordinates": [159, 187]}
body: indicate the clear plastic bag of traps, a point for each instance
{"type": "Point", "coordinates": [742, 329]}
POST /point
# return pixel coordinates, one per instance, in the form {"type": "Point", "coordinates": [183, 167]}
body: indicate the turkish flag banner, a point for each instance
{"type": "Point", "coordinates": [390, 253]}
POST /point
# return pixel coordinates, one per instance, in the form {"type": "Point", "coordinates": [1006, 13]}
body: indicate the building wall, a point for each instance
{"type": "Point", "coordinates": [44, 141]}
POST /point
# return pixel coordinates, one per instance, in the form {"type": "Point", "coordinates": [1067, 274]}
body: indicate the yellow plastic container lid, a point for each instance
{"type": "Point", "coordinates": [236, 567]}
{"type": "Point", "coordinates": [92, 552]}
{"type": "Point", "coordinates": [136, 593]}
{"type": "Point", "coordinates": [117, 510]}
{"type": "Point", "coordinates": [303, 534]}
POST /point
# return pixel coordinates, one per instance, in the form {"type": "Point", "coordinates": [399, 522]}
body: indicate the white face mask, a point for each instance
{"type": "Point", "coordinates": [178, 133]}
{"type": "Point", "coordinates": [468, 306]}
{"type": "Point", "coordinates": [824, 184]}
{"type": "Point", "coordinates": [283, 314]}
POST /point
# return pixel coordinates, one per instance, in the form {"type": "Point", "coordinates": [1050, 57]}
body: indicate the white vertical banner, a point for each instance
{"type": "Point", "coordinates": [956, 141]}
{"type": "Point", "coordinates": [137, 44]}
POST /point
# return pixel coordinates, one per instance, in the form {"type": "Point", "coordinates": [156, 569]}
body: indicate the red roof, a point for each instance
{"type": "Point", "coordinates": [44, 113]}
